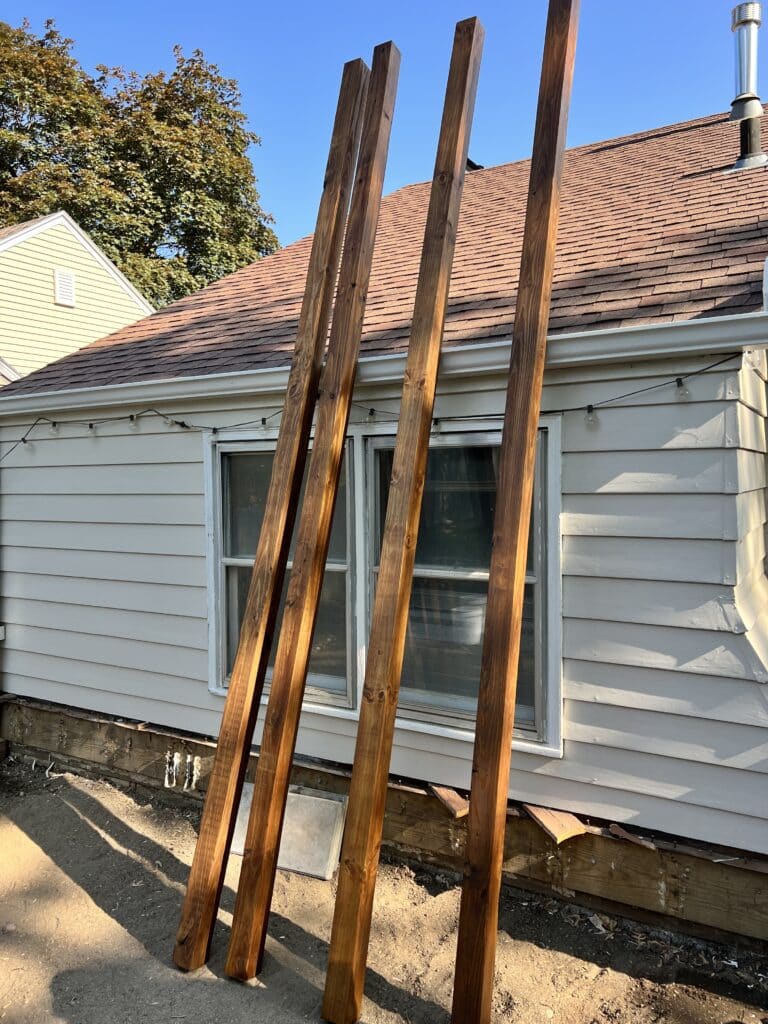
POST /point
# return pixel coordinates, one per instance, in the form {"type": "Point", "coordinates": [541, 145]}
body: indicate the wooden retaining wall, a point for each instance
{"type": "Point", "coordinates": [707, 890]}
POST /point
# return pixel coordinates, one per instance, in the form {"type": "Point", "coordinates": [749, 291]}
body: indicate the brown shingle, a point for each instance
{"type": "Point", "coordinates": [651, 230]}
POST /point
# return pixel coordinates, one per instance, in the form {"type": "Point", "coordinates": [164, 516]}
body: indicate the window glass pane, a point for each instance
{"type": "Point", "coordinates": [245, 477]}
{"type": "Point", "coordinates": [329, 648]}
{"type": "Point", "coordinates": [245, 482]}
{"type": "Point", "coordinates": [456, 525]}
{"type": "Point", "coordinates": [444, 645]}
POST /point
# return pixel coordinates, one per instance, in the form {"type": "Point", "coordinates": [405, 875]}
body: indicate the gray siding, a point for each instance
{"type": "Point", "coordinates": [664, 658]}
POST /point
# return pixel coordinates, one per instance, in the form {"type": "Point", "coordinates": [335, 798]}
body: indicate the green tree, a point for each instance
{"type": "Point", "coordinates": [155, 168]}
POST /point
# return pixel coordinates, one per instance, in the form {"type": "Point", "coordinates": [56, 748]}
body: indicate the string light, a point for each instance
{"type": "Point", "coordinates": [372, 414]}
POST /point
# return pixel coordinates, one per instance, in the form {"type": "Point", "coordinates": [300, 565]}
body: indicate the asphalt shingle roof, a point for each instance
{"type": "Point", "coordinates": [652, 230]}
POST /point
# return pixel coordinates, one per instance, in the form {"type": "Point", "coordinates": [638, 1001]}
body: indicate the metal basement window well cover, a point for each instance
{"type": "Point", "coordinates": [312, 830]}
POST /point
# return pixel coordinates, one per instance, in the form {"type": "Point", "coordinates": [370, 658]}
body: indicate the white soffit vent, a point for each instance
{"type": "Point", "coordinates": [64, 288]}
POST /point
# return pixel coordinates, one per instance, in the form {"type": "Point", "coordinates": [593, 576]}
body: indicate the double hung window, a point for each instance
{"type": "Point", "coordinates": [244, 480]}
{"type": "Point", "coordinates": [447, 613]}
{"type": "Point", "coordinates": [441, 667]}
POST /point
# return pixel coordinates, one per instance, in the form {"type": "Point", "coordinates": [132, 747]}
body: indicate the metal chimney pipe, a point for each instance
{"type": "Point", "coordinates": [746, 107]}
{"type": "Point", "coordinates": [745, 21]}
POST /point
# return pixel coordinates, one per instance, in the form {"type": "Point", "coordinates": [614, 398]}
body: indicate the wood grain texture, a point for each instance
{"type": "Point", "coordinates": [241, 708]}
{"type": "Point", "coordinates": [456, 804]}
{"type": "Point", "coordinates": [362, 837]}
{"type": "Point", "coordinates": [559, 825]}
{"type": "Point", "coordinates": [478, 917]}
{"type": "Point", "coordinates": [696, 886]}
{"type": "Point", "coordinates": [289, 676]}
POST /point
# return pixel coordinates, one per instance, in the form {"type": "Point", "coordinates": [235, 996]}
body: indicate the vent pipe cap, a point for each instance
{"type": "Point", "coordinates": [745, 21]}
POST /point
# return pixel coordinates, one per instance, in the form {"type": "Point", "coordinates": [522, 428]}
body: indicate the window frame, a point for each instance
{"type": "Point", "coordinates": [232, 442]}
{"type": "Point", "coordinates": [549, 742]}
{"type": "Point", "coordinates": [545, 733]}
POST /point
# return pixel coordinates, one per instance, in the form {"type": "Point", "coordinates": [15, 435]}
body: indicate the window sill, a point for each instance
{"type": "Point", "coordinates": [521, 743]}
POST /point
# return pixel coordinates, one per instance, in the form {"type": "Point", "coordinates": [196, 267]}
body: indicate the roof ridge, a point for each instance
{"type": "Point", "coordinates": [651, 232]}
{"type": "Point", "coordinates": [612, 141]}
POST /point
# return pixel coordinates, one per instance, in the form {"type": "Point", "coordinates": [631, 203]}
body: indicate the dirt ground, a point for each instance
{"type": "Point", "coordinates": [91, 881]}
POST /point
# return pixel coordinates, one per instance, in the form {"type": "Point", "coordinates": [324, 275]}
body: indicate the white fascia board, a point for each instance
{"type": "Point", "coordinates": [61, 217]}
{"type": "Point", "coordinates": [711, 336]}
{"type": "Point", "coordinates": [42, 224]}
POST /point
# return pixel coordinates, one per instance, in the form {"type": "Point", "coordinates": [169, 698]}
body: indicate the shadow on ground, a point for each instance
{"type": "Point", "coordinates": [133, 874]}
{"type": "Point", "coordinates": [140, 885]}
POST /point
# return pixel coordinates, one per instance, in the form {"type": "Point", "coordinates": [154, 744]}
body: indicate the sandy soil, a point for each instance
{"type": "Point", "coordinates": [91, 880]}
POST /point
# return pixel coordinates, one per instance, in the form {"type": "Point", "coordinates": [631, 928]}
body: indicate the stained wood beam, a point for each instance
{"type": "Point", "coordinates": [478, 917]}
{"type": "Point", "coordinates": [365, 814]}
{"type": "Point", "coordinates": [206, 875]}
{"type": "Point", "coordinates": [257, 875]}
{"type": "Point", "coordinates": [697, 887]}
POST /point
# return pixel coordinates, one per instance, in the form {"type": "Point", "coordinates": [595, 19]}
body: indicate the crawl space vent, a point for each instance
{"type": "Point", "coordinates": [63, 287]}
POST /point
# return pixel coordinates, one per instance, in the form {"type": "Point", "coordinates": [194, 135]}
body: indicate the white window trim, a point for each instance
{"type": "Point", "coordinates": [551, 742]}
{"type": "Point", "coordinates": [548, 739]}
{"type": "Point", "coordinates": [226, 441]}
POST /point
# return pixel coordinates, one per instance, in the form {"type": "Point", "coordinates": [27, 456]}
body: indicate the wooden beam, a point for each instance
{"type": "Point", "coordinates": [457, 805]}
{"type": "Point", "coordinates": [699, 888]}
{"type": "Point", "coordinates": [559, 825]}
{"type": "Point", "coordinates": [206, 875]}
{"type": "Point", "coordinates": [476, 952]}
{"type": "Point", "coordinates": [365, 813]}
{"type": "Point", "coordinates": [249, 924]}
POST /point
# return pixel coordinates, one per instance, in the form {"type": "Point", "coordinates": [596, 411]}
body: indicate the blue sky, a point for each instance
{"type": "Point", "coordinates": [639, 65]}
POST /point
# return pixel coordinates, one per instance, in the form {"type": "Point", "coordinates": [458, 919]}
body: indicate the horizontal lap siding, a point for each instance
{"type": "Point", "coordinates": [663, 512]}
{"type": "Point", "coordinates": [104, 572]}
{"type": "Point", "coordinates": [33, 329]}
{"type": "Point", "coordinates": [664, 604]}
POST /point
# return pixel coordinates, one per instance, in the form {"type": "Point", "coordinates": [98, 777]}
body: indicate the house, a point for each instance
{"type": "Point", "coordinates": [58, 292]}
{"type": "Point", "coordinates": [130, 516]}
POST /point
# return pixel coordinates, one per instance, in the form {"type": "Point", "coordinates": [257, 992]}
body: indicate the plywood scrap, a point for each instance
{"type": "Point", "coordinates": [621, 833]}
{"type": "Point", "coordinates": [559, 825]}
{"type": "Point", "coordinates": [457, 804]}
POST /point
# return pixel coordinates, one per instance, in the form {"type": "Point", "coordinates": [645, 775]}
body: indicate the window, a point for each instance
{"type": "Point", "coordinates": [244, 479]}
{"type": "Point", "coordinates": [441, 668]}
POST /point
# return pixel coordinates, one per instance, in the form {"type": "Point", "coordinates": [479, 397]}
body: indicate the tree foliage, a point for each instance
{"type": "Point", "coordinates": [155, 167]}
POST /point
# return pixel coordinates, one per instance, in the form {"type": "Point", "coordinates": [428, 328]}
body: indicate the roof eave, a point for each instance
{"type": "Point", "coordinates": [706, 336]}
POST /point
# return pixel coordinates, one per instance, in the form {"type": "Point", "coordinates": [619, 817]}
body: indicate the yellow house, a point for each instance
{"type": "Point", "coordinates": [58, 292]}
